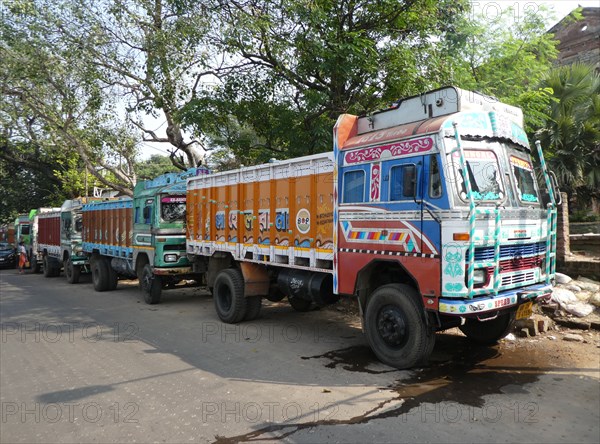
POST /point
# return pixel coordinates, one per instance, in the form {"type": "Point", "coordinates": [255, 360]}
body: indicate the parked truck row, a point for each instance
{"type": "Point", "coordinates": [429, 213]}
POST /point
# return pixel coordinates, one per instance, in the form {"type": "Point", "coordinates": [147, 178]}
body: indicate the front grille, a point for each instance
{"type": "Point", "coordinates": [174, 247]}
{"type": "Point", "coordinates": [518, 278]}
{"type": "Point", "coordinates": [520, 263]}
{"type": "Point", "coordinates": [483, 254]}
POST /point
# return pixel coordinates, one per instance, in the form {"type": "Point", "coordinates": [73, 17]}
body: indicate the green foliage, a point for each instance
{"type": "Point", "coordinates": [302, 64]}
{"type": "Point", "coordinates": [571, 135]}
{"type": "Point", "coordinates": [154, 167]}
{"type": "Point", "coordinates": [506, 56]}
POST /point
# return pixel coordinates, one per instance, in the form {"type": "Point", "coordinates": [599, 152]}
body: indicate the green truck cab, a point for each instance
{"type": "Point", "coordinates": [141, 237]}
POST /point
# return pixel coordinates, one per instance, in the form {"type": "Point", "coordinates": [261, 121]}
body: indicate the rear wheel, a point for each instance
{"type": "Point", "coordinates": [72, 272]}
{"type": "Point", "coordinates": [275, 294]}
{"type": "Point", "coordinates": [36, 266]}
{"type": "Point", "coordinates": [396, 328]}
{"type": "Point", "coordinates": [51, 268]}
{"type": "Point", "coordinates": [228, 295]}
{"type": "Point", "coordinates": [488, 332]}
{"type": "Point", "coordinates": [151, 285]}
{"type": "Point", "coordinates": [300, 304]}
{"type": "Point", "coordinates": [99, 273]}
{"type": "Point", "coordinates": [113, 277]}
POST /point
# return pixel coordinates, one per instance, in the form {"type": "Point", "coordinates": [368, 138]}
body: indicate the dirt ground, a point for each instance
{"type": "Point", "coordinates": [558, 352]}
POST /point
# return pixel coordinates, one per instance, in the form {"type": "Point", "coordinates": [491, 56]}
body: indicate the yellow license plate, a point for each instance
{"type": "Point", "coordinates": [525, 310]}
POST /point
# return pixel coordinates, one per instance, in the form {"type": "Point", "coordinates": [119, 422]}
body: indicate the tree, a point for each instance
{"type": "Point", "coordinates": [301, 64]}
{"type": "Point", "coordinates": [505, 56]}
{"type": "Point", "coordinates": [571, 135]}
{"type": "Point", "coordinates": [52, 105]}
{"type": "Point", "coordinates": [154, 166]}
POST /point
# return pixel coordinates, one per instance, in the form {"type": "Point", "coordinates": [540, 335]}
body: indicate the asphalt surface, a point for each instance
{"type": "Point", "coordinates": [82, 366]}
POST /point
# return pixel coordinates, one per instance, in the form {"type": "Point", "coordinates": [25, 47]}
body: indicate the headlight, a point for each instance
{"type": "Point", "coordinates": [479, 276]}
{"type": "Point", "coordinates": [171, 258]}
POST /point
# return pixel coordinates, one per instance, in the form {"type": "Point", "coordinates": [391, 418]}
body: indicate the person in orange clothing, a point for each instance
{"type": "Point", "coordinates": [22, 256]}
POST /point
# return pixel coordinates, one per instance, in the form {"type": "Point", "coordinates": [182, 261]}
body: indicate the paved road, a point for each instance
{"type": "Point", "coordinates": [81, 366]}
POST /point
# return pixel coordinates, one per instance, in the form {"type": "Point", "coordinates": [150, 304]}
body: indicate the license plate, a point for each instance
{"type": "Point", "coordinates": [525, 310]}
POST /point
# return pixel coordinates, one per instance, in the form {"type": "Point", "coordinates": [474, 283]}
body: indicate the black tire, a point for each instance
{"type": "Point", "coordinates": [275, 294]}
{"type": "Point", "coordinates": [36, 266]}
{"type": "Point", "coordinates": [300, 304]}
{"type": "Point", "coordinates": [228, 295]}
{"type": "Point", "coordinates": [72, 272]}
{"type": "Point", "coordinates": [396, 328]}
{"type": "Point", "coordinates": [49, 267]}
{"type": "Point", "coordinates": [488, 332]}
{"type": "Point", "coordinates": [99, 273]}
{"type": "Point", "coordinates": [253, 306]}
{"type": "Point", "coordinates": [113, 277]}
{"type": "Point", "coordinates": [45, 266]}
{"type": "Point", "coordinates": [151, 286]}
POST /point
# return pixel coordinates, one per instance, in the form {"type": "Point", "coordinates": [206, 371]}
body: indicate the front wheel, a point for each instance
{"type": "Point", "coordinates": [151, 285]}
{"type": "Point", "coordinates": [72, 272]}
{"type": "Point", "coordinates": [395, 327]}
{"type": "Point", "coordinates": [488, 332]}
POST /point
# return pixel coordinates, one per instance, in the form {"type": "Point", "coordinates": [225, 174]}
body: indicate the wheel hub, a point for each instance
{"type": "Point", "coordinates": [391, 326]}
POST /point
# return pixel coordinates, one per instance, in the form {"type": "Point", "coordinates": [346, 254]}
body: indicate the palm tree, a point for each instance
{"type": "Point", "coordinates": [571, 137]}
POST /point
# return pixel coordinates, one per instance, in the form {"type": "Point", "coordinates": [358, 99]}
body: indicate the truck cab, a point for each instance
{"type": "Point", "coordinates": [22, 230]}
{"type": "Point", "coordinates": [71, 251]}
{"type": "Point", "coordinates": [442, 222]}
{"type": "Point", "coordinates": [159, 228]}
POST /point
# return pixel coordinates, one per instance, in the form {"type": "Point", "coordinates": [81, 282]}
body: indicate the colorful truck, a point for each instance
{"type": "Point", "coordinates": [7, 234]}
{"type": "Point", "coordinates": [44, 240]}
{"type": "Point", "coordinates": [428, 212]}
{"type": "Point", "coordinates": [22, 230]}
{"type": "Point", "coordinates": [141, 237]}
{"type": "Point", "coordinates": [56, 240]}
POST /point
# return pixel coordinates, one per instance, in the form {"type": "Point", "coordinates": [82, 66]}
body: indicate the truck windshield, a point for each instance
{"type": "Point", "coordinates": [484, 175]}
{"type": "Point", "coordinates": [172, 208]}
{"type": "Point", "coordinates": [78, 223]}
{"type": "Point", "coordinates": [524, 179]}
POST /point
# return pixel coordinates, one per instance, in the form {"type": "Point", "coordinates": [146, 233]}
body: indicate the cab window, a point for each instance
{"type": "Point", "coordinates": [354, 187]}
{"type": "Point", "coordinates": [403, 180]}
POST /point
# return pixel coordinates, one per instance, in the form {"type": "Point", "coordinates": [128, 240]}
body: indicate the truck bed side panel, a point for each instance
{"type": "Point", "coordinates": [108, 228]}
{"type": "Point", "coordinates": [276, 214]}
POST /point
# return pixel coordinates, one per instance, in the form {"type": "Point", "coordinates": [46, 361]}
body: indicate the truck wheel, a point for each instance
{"type": "Point", "coordinates": [275, 294]}
{"type": "Point", "coordinates": [113, 277]}
{"type": "Point", "coordinates": [99, 274]}
{"type": "Point", "coordinates": [48, 268]}
{"type": "Point", "coordinates": [300, 304]}
{"type": "Point", "coordinates": [395, 327]}
{"type": "Point", "coordinates": [228, 294]}
{"type": "Point", "coordinates": [253, 306]}
{"type": "Point", "coordinates": [36, 266]}
{"type": "Point", "coordinates": [151, 285]}
{"type": "Point", "coordinates": [72, 272]}
{"type": "Point", "coordinates": [488, 332]}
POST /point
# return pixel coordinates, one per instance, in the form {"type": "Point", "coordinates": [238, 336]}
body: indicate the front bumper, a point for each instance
{"type": "Point", "coordinates": [489, 304]}
{"type": "Point", "coordinates": [172, 271]}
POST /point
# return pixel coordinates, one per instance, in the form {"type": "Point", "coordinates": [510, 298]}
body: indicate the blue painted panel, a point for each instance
{"type": "Point", "coordinates": [108, 250]}
{"type": "Point", "coordinates": [109, 204]}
